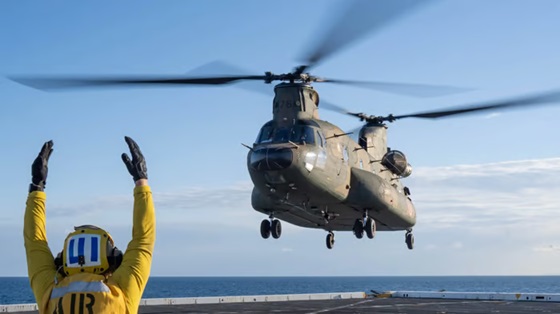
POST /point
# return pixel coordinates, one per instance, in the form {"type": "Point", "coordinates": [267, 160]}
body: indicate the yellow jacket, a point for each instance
{"type": "Point", "coordinates": [90, 293]}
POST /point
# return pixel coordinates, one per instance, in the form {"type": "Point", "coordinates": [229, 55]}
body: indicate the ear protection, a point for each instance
{"type": "Point", "coordinates": [115, 259]}
{"type": "Point", "coordinates": [88, 249]}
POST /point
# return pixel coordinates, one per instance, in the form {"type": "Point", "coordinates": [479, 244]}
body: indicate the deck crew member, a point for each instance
{"type": "Point", "coordinates": [90, 274]}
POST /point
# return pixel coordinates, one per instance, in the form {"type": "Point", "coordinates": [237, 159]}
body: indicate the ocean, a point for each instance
{"type": "Point", "coordinates": [14, 290]}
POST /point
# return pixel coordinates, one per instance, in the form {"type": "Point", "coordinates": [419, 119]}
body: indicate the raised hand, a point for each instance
{"type": "Point", "coordinates": [40, 169]}
{"type": "Point", "coordinates": [137, 166]}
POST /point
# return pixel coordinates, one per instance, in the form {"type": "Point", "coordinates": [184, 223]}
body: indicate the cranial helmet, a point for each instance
{"type": "Point", "coordinates": [89, 249]}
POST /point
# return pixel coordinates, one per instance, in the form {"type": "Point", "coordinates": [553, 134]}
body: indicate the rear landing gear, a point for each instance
{"type": "Point", "coordinates": [358, 229]}
{"type": "Point", "coordinates": [370, 227]}
{"type": "Point", "coordinates": [271, 227]}
{"type": "Point", "coordinates": [265, 229]}
{"type": "Point", "coordinates": [367, 225]}
{"type": "Point", "coordinates": [330, 240]}
{"type": "Point", "coordinates": [409, 239]}
{"type": "Point", "coordinates": [276, 229]}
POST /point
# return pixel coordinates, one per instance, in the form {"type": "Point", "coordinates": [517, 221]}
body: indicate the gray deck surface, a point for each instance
{"type": "Point", "coordinates": [391, 305]}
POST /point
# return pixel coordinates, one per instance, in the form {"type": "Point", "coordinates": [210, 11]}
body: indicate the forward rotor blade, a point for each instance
{"type": "Point", "coordinates": [407, 89]}
{"type": "Point", "coordinates": [59, 83]}
{"type": "Point", "coordinates": [221, 68]}
{"type": "Point", "coordinates": [357, 20]}
{"type": "Point", "coordinates": [535, 99]}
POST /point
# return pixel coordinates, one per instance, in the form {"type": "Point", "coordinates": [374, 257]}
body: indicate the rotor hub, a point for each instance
{"type": "Point", "coordinates": [293, 77]}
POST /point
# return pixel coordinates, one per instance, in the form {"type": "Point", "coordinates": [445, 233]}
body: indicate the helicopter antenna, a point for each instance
{"type": "Point", "coordinates": [249, 147]}
{"type": "Point", "coordinates": [294, 144]}
{"type": "Point", "coordinates": [338, 135]}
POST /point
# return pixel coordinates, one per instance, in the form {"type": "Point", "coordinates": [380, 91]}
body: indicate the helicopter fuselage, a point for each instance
{"type": "Point", "coordinates": [308, 172]}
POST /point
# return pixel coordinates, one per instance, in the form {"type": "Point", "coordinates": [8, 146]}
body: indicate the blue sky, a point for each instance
{"type": "Point", "coordinates": [485, 186]}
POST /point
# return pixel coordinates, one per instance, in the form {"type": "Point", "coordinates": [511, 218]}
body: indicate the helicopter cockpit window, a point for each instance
{"type": "Point", "coordinates": [281, 135]}
{"type": "Point", "coordinates": [299, 134]}
{"type": "Point", "coordinates": [303, 135]}
{"type": "Point", "coordinates": [265, 135]}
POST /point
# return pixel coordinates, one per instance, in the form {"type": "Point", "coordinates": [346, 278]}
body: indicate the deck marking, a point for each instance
{"type": "Point", "coordinates": [420, 304]}
{"type": "Point", "coordinates": [339, 307]}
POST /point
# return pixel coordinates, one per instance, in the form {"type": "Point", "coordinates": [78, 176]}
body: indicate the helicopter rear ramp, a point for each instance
{"type": "Point", "coordinates": [411, 302]}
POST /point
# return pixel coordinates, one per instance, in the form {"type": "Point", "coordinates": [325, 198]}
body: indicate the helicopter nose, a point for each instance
{"type": "Point", "coordinates": [271, 158]}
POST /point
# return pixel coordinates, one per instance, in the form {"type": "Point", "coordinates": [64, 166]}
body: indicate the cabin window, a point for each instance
{"type": "Point", "coordinates": [362, 141]}
{"type": "Point", "coordinates": [321, 159]}
{"type": "Point", "coordinates": [345, 154]}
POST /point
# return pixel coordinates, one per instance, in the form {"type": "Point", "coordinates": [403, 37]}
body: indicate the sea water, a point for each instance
{"type": "Point", "coordinates": [14, 290]}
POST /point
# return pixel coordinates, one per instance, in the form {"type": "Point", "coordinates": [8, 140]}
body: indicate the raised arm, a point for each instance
{"type": "Point", "coordinates": [132, 275]}
{"type": "Point", "coordinates": [40, 261]}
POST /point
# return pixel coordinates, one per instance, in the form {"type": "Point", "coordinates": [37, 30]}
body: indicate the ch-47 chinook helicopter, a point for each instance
{"type": "Point", "coordinates": [307, 171]}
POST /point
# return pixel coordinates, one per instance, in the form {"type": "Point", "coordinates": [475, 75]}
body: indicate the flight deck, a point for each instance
{"type": "Point", "coordinates": [409, 302]}
{"type": "Point", "coordinates": [391, 305]}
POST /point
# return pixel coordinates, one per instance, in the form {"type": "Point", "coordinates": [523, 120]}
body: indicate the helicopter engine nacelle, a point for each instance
{"type": "Point", "coordinates": [395, 161]}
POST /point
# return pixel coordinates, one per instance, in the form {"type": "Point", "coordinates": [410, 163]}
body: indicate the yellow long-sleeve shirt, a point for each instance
{"type": "Point", "coordinates": [123, 290]}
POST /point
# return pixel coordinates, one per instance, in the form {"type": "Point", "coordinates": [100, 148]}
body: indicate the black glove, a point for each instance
{"type": "Point", "coordinates": [40, 169]}
{"type": "Point", "coordinates": [136, 167]}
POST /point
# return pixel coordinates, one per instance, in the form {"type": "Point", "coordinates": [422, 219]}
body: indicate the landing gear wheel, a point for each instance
{"type": "Point", "coordinates": [265, 229]}
{"type": "Point", "coordinates": [276, 229]}
{"type": "Point", "coordinates": [370, 227]}
{"type": "Point", "coordinates": [409, 239]}
{"type": "Point", "coordinates": [358, 229]}
{"type": "Point", "coordinates": [330, 240]}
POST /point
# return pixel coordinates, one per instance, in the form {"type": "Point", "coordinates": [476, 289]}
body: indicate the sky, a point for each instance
{"type": "Point", "coordinates": [486, 186]}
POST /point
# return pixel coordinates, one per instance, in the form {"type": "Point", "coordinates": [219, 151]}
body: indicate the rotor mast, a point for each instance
{"type": "Point", "coordinates": [294, 101]}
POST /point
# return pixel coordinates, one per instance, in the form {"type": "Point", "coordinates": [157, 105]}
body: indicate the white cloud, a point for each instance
{"type": "Point", "coordinates": [457, 245]}
{"type": "Point", "coordinates": [431, 247]}
{"type": "Point", "coordinates": [492, 115]}
{"type": "Point", "coordinates": [520, 194]}
{"type": "Point", "coordinates": [222, 205]}
{"type": "Point", "coordinates": [532, 166]}
{"type": "Point", "coordinates": [547, 248]}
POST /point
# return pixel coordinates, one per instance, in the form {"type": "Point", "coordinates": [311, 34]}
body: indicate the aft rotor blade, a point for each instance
{"type": "Point", "coordinates": [357, 20]}
{"type": "Point", "coordinates": [54, 83]}
{"type": "Point", "coordinates": [407, 89]}
{"type": "Point", "coordinates": [323, 104]}
{"type": "Point", "coordinates": [535, 99]}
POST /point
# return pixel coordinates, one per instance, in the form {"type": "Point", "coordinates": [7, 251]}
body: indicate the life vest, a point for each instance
{"type": "Point", "coordinates": [84, 294]}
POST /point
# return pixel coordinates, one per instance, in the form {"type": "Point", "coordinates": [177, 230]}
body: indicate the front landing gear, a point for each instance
{"type": "Point", "coordinates": [330, 240]}
{"type": "Point", "coordinates": [271, 227]}
{"type": "Point", "coordinates": [409, 239]}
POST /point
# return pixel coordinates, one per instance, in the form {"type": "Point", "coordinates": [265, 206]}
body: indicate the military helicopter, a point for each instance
{"type": "Point", "coordinates": [307, 171]}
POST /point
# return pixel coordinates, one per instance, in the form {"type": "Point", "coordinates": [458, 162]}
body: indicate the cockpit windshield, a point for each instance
{"type": "Point", "coordinates": [299, 134]}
